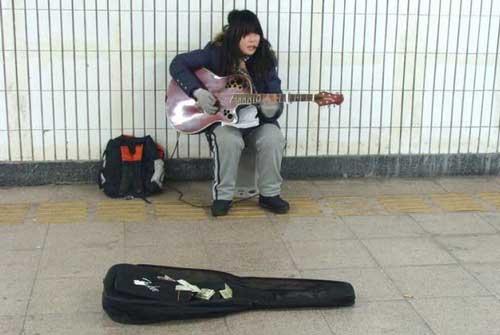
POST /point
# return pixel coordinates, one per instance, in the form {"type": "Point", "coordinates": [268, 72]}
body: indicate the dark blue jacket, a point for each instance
{"type": "Point", "coordinates": [183, 65]}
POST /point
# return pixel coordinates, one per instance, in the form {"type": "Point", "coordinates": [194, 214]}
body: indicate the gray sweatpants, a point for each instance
{"type": "Point", "coordinates": [227, 144]}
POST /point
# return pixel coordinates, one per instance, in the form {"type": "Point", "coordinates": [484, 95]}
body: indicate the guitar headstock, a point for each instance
{"type": "Point", "coordinates": [326, 98]}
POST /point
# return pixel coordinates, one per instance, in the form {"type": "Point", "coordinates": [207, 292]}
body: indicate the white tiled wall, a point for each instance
{"type": "Point", "coordinates": [418, 76]}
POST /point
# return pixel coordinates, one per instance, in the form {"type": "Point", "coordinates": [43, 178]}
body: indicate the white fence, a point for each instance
{"type": "Point", "coordinates": [419, 76]}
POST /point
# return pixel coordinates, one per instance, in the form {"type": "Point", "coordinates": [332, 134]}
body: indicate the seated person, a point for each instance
{"type": "Point", "coordinates": [239, 48]}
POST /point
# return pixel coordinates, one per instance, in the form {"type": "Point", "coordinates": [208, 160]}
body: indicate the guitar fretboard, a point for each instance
{"type": "Point", "coordinates": [258, 98]}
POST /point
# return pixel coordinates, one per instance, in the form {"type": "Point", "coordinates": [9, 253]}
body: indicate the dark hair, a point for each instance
{"type": "Point", "coordinates": [240, 24]}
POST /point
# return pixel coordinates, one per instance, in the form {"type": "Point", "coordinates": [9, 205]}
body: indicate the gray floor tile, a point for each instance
{"type": "Point", "coordinates": [470, 315]}
{"type": "Point", "coordinates": [164, 233]}
{"type": "Point", "coordinates": [14, 296]}
{"type": "Point", "coordinates": [215, 326]}
{"type": "Point", "coordinates": [492, 218]}
{"type": "Point", "coordinates": [313, 229]}
{"type": "Point", "coordinates": [64, 324]}
{"type": "Point", "coordinates": [474, 249]}
{"type": "Point", "coordinates": [25, 236]}
{"type": "Point", "coordinates": [85, 235]}
{"type": "Point", "coordinates": [454, 223]}
{"type": "Point", "coordinates": [380, 226]}
{"type": "Point", "coordinates": [305, 321]}
{"type": "Point", "coordinates": [435, 281]}
{"type": "Point", "coordinates": [488, 275]}
{"type": "Point", "coordinates": [241, 231]}
{"type": "Point", "coordinates": [11, 325]}
{"type": "Point", "coordinates": [16, 265]}
{"type": "Point", "coordinates": [66, 295]}
{"type": "Point", "coordinates": [407, 251]}
{"type": "Point", "coordinates": [249, 256]}
{"type": "Point", "coordinates": [468, 184]}
{"type": "Point", "coordinates": [370, 284]}
{"type": "Point", "coordinates": [330, 254]}
{"type": "Point", "coordinates": [87, 262]}
{"type": "Point", "coordinates": [409, 186]}
{"type": "Point", "coordinates": [381, 317]}
{"type": "Point", "coordinates": [169, 255]}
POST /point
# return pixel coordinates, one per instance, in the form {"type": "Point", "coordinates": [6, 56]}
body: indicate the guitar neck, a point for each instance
{"type": "Point", "coordinates": [258, 98]}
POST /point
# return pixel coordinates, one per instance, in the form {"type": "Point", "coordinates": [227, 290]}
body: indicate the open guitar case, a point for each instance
{"type": "Point", "coordinates": [140, 294]}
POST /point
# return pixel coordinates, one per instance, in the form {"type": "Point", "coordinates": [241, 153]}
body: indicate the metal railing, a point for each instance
{"type": "Point", "coordinates": [419, 76]}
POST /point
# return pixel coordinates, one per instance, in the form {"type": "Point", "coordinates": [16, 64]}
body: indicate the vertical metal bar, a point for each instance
{"type": "Point", "coordinates": [109, 73]}
{"type": "Point", "coordinates": [5, 85]}
{"type": "Point", "coordinates": [98, 77]}
{"type": "Point", "coordinates": [494, 83]}
{"type": "Point", "coordinates": [74, 82]}
{"type": "Point", "coordinates": [463, 88]}
{"type": "Point", "coordinates": [414, 79]}
{"type": "Point", "coordinates": [39, 79]}
{"type": "Point", "coordinates": [362, 80]}
{"type": "Point", "coordinates": [474, 82]}
{"type": "Point", "coordinates": [177, 49]}
{"type": "Point", "coordinates": [154, 70]}
{"type": "Point", "coordinates": [434, 79]}
{"type": "Point", "coordinates": [143, 74]}
{"type": "Point", "coordinates": [121, 62]}
{"type": "Point", "coordinates": [341, 75]}
{"type": "Point", "coordinates": [288, 71]}
{"type": "Point", "coordinates": [444, 76]}
{"type": "Point", "coordinates": [383, 81]}
{"type": "Point", "coordinates": [298, 80]}
{"type": "Point", "coordinates": [86, 77]}
{"type": "Point", "coordinates": [51, 80]}
{"type": "Point", "coordinates": [132, 69]}
{"type": "Point", "coordinates": [423, 80]}
{"type": "Point", "coordinates": [29, 83]}
{"type": "Point", "coordinates": [403, 81]}
{"type": "Point", "coordinates": [309, 79]}
{"type": "Point", "coordinates": [320, 67]}
{"type": "Point", "coordinates": [373, 77]}
{"type": "Point", "coordinates": [63, 78]}
{"type": "Point", "coordinates": [484, 85]}
{"type": "Point", "coordinates": [199, 47]}
{"type": "Point", "coordinates": [267, 17]}
{"type": "Point", "coordinates": [189, 45]}
{"type": "Point", "coordinates": [454, 78]}
{"type": "Point", "coordinates": [278, 42]}
{"type": "Point", "coordinates": [331, 81]}
{"type": "Point", "coordinates": [17, 81]}
{"type": "Point", "coordinates": [352, 74]}
{"type": "Point", "coordinates": [166, 67]}
{"type": "Point", "coordinates": [393, 76]}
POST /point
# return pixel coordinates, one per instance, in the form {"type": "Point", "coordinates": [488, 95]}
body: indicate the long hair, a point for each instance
{"type": "Point", "coordinates": [240, 24]}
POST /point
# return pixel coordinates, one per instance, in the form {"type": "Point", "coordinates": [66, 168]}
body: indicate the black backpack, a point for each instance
{"type": "Point", "coordinates": [131, 167]}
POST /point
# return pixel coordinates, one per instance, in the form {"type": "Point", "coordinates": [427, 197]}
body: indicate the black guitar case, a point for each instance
{"type": "Point", "coordinates": [140, 294]}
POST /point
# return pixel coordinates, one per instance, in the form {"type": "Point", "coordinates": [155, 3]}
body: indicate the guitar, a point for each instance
{"type": "Point", "coordinates": [230, 91]}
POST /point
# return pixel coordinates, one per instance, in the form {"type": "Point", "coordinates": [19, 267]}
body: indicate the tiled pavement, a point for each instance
{"type": "Point", "coordinates": [422, 254]}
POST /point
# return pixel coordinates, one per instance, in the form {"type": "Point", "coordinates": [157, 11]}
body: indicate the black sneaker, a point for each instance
{"type": "Point", "coordinates": [221, 207]}
{"type": "Point", "coordinates": [274, 204]}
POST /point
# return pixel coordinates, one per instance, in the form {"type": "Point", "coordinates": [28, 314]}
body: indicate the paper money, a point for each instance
{"type": "Point", "coordinates": [205, 294]}
{"type": "Point", "coordinates": [165, 277]}
{"type": "Point", "coordinates": [227, 292]}
{"type": "Point", "coordinates": [185, 286]}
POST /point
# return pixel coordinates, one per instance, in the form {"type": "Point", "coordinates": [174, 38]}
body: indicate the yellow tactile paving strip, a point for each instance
{"type": "Point", "coordinates": [137, 210]}
{"type": "Point", "coordinates": [121, 210]}
{"type": "Point", "coordinates": [13, 213]}
{"type": "Point", "coordinates": [304, 207]}
{"type": "Point", "coordinates": [349, 206]}
{"type": "Point", "coordinates": [456, 202]}
{"type": "Point", "coordinates": [245, 210]}
{"type": "Point", "coordinates": [177, 210]}
{"type": "Point", "coordinates": [62, 212]}
{"type": "Point", "coordinates": [405, 204]}
{"type": "Point", "coordinates": [492, 198]}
